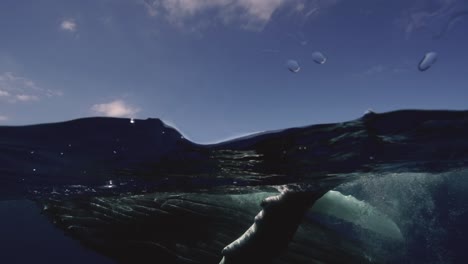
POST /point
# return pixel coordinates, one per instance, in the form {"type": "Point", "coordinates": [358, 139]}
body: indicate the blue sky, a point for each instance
{"type": "Point", "coordinates": [216, 68]}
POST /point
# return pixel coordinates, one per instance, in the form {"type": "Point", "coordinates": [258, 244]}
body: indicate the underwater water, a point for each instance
{"type": "Point", "coordinates": [233, 131]}
{"type": "Point", "coordinates": [365, 191]}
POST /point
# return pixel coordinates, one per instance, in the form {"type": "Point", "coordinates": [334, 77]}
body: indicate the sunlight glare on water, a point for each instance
{"type": "Point", "coordinates": [109, 185]}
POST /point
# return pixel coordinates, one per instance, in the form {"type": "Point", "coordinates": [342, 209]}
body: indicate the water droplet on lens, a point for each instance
{"type": "Point", "coordinates": [427, 61]}
{"type": "Point", "coordinates": [293, 66]}
{"type": "Point", "coordinates": [318, 57]}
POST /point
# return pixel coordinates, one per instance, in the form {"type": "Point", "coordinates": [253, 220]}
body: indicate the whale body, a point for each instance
{"type": "Point", "coordinates": [238, 201]}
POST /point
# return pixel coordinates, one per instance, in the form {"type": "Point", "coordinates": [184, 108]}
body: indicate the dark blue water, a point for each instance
{"type": "Point", "coordinates": [28, 237]}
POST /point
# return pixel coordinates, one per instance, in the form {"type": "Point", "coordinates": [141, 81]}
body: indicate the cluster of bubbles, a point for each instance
{"type": "Point", "coordinates": [412, 200]}
{"type": "Point", "coordinates": [318, 57]}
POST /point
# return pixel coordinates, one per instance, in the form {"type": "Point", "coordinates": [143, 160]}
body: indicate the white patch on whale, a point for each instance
{"type": "Point", "coordinates": [350, 209]}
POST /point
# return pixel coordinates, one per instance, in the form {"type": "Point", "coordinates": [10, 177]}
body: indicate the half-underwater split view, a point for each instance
{"type": "Point", "coordinates": [233, 131]}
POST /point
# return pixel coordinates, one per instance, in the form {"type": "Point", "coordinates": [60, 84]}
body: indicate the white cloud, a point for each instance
{"type": "Point", "coordinates": [26, 97]}
{"type": "Point", "coordinates": [250, 14]}
{"type": "Point", "coordinates": [4, 93]}
{"type": "Point", "coordinates": [69, 25]}
{"type": "Point", "coordinates": [3, 118]}
{"type": "Point", "coordinates": [117, 108]}
{"type": "Point", "coordinates": [15, 88]}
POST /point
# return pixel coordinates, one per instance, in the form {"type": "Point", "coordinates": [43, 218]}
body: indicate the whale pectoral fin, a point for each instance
{"type": "Point", "coordinates": [272, 230]}
{"type": "Point", "coordinates": [360, 213]}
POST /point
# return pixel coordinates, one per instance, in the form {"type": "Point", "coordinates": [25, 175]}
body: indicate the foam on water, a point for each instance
{"type": "Point", "coordinates": [420, 205]}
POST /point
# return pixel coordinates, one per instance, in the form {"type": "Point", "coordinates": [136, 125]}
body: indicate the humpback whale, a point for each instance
{"type": "Point", "coordinates": [239, 201]}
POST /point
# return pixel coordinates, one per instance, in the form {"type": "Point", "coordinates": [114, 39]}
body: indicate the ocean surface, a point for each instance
{"type": "Point", "coordinates": [384, 188]}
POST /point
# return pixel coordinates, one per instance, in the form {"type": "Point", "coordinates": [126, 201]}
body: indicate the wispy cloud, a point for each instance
{"type": "Point", "coordinates": [26, 97]}
{"type": "Point", "coordinates": [117, 108]}
{"type": "Point", "coordinates": [15, 88]}
{"type": "Point", "coordinates": [250, 14]}
{"type": "Point", "coordinates": [69, 25]}
{"type": "Point", "coordinates": [437, 16]}
{"type": "Point", "coordinates": [4, 93]}
{"type": "Point", "coordinates": [376, 69]}
{"type": "Point", "coordinates": [379, 69]}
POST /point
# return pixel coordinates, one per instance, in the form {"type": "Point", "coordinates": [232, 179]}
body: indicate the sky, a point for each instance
{"type": "Point", "coordinates": [216, 69]}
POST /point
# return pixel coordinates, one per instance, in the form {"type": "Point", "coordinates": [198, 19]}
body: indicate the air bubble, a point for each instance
{"type": "Point", "coordinates": [132, 121]}
{"type": "Point", "coordinates": [427, 61]}
{"type": "Point", "coordinates": [318, 57]}
{"type": "Point", "coordinates": [293, 66]}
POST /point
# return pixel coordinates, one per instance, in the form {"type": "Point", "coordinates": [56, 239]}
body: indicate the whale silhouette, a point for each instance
{"type": "Point", "coordinates": [139, 191]}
